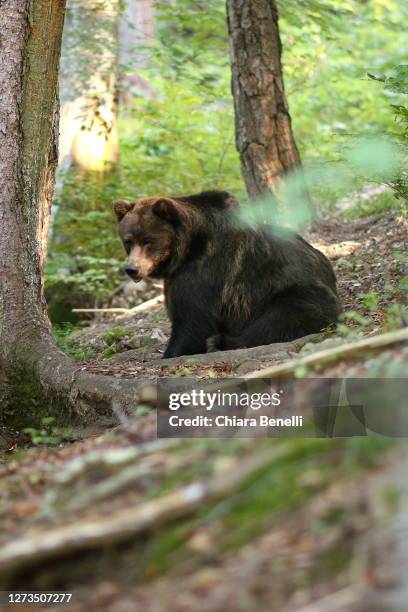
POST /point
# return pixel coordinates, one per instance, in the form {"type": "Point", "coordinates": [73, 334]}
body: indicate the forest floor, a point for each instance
{"type": "Point", "coordinates": [128, 522]}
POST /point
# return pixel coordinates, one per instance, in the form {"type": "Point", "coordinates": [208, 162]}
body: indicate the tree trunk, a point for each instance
{"type": "Point", "coordinates": [94, 28]}
{"type": "Point", "coordinates": [136, 35]}
{"type": "Point", "coordinates": [264, 136]}
{"type": "Point", "coordinates": [34, 375]}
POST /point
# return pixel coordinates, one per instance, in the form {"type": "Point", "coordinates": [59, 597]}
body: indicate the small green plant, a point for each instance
{"type": "Point", "coordinates": [184, 371]}
{"type": "Point", "coordinates": [399, 256]}
{"type": "Point", "coordinates": [397, 85]}
{"type": "Point", "coordinates": [375, 205]}
{"type": "Point", "coordinates": [115, 334]}
{"type": "Point", "coordinates": [112, 339]}
{"type": "Point", "coordinates": [359, 322]}
{"type": "Point", "coordinates": [403, 283]}
{"type": "Point", "coordinates": [142, 410]}
{"type": "Point", "coordinates": [47, 434]}
{"type": "Point", "coordinates": [394, 315]}
{"type": "Point", "coordinates": [111, 350]}
{"type": "Point", "coordinates": [61, 334]}
{"type": "Point", "coordinates": [370, 300]}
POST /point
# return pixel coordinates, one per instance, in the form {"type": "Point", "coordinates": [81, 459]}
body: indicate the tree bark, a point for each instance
{"type": "Point", "coordinates": [264, 135]}
{"type": "Point", "coordinates": [34, 375]}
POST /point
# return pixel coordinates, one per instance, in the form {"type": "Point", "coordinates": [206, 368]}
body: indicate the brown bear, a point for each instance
{"type": "Point", "coordinates": [243, 285]}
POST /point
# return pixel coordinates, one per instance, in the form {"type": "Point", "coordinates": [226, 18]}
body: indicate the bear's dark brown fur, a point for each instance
{"type": "Point", "coordinates": [244, 285]}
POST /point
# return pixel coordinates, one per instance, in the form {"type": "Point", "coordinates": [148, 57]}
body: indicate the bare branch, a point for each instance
{"type": "Point", "coordinates": [351, 350]}
{"type": "Point", "coordinates": [43, 545]}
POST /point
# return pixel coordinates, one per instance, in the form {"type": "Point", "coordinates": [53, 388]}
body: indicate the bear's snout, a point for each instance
{"type": "Point", "coordinates": [133, 273]}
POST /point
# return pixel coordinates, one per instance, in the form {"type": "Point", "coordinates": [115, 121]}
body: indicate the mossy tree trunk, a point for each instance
{"type": "Point", "coordinates": [264, 135]}
{"type": "Point", "coordinates": [33, 372]}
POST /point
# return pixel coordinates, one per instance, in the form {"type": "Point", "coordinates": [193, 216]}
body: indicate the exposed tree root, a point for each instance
{"type": "Point", "coordinates": [121, 525]}
{"type": "Point", "coordinates": [86, 392]}
{"type": "Point", "coordinates": [46, 377]}
{"type": "Point", "coordinates": [94, 399]}
{"type": "Point", "coordinates": [268, 351]}
{"type": "Point", "coordinates": [113, 470]}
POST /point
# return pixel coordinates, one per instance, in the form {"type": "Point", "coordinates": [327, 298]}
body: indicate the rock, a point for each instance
{"type": "Point", "coordinates": [158, 335]}
{"type": "Point", "coordinates": [313, 347]}
{"type": "Point", "coordinates": [131, 288]}
{"type": "Point", "coordinates": [140, 341]}
{"type": "Point", "coordinates": [247, 366]}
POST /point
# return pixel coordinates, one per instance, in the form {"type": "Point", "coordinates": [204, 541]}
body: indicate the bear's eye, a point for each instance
{"type": "Point", "coordinates": [127, 244]}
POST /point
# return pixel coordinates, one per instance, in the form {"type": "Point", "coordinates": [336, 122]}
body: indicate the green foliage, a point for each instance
{"type": "Point", "coordinates": [142, 410]}
{"type": "Point", "coordinates": [352, 332]}
{"type": "Point", "coordinates": [307, 467]}
{"type": "Point", "coordinates": [47, 434]}
{"type": "Point", "coordinates": [325, 64]}
{"type": "Point", "coordinates": [188, 46]}
{"type": "Point", "coordinates": [84, 242]}
{"type": "Point", "coordinates": [374, 158]}
{"type": "Point", "coordinates": [397, 83]}
{"type": "Point", "coordinates": [181, 138]}
{"type": "Point", "coordinates": [186, 149]}
{"type": "Point", "coordinates": [374, 205]}
{"type": "Point", "coordinates": [395, 313]}
{"type": "Point", "coordinates": [61, 333]}
{"type": "Point", "coordinates": [370, 300]}
{"type": "Point", "coordinates": [369, 159]}
{"type": "Point", "coordinates": [114, 334]}
{"type": "Point", "coordinates": [91, 28]}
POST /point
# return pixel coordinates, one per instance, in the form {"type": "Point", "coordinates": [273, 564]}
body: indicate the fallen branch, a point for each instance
{"type": "Point", "coordinates": [108, 487]}
{"type": "Point", "coordinates": [349, 598]}
{"type": "Point", "coordinates": [104, 310]}
{"type": "Point", "coordinates": [48, 544]}
{"type": "Point", "coordinates": [109, 460]}
{"type": "Point", "coordinates": [139, 308]}
{"type": "Point", "coordinates": [148, 304]}
{"type": "Point", "coordinates": [351, 350]}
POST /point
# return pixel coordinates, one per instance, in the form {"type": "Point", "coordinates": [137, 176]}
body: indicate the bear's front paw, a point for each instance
{"type": "Point", "coordinates": [169, 353]}
{"type": "Point", "coordinates": [214, 343]}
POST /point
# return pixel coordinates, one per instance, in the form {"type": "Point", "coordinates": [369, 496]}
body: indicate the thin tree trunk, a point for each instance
{"type": "Point", "coordinates": [95, 146]}
{"type": "Point", "coordinates": [34, 374]}
{"type": "Point", "coordinates": [264, 135]}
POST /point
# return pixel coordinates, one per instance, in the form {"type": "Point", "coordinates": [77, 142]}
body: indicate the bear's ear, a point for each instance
{"type": "Point", "coordinates": [121, 207]}
{"type": "Point", "coordinates": [166, 209]}
{"type": "Point", "coordinates": [231, 201]}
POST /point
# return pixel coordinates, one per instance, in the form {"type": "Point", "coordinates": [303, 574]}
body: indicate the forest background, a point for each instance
{"type": "Point", "coordinates": [346, 84]}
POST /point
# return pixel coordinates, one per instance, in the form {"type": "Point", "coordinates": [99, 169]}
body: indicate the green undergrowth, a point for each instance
{"type": "Point", "coordinates": [178, 137]}
{"type": "Point", "coordinates": [375, 205]}
{"type": "Point", "coordinates": [62, 333]}
{"type": "Point", "coordinates": [112, 339]}
{"type": "Point", "coordinates": [114, 334]}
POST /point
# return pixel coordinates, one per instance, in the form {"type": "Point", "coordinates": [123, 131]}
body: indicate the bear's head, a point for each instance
{"type": "Point", "coordinates": [158, 232]}
{"type": "Point", "coordinates": [148, 229]}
